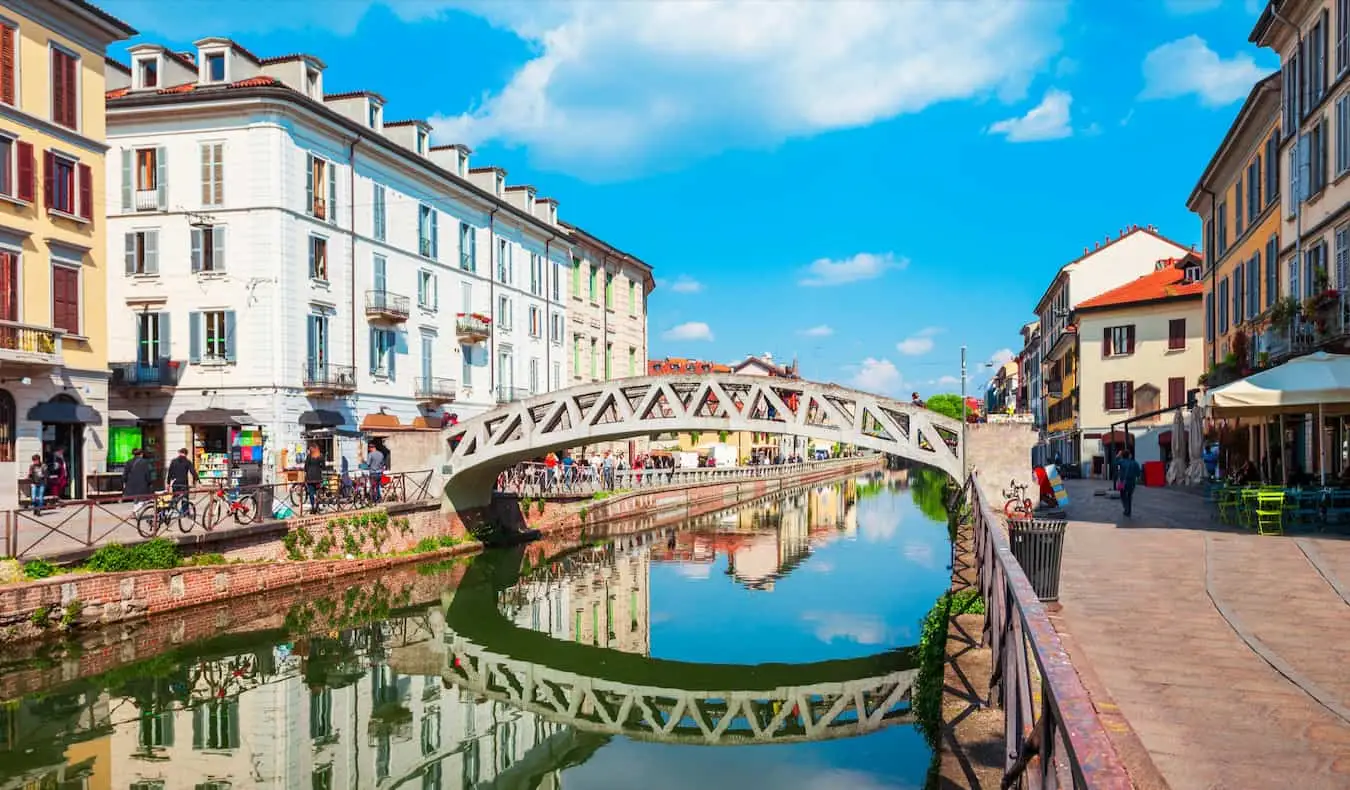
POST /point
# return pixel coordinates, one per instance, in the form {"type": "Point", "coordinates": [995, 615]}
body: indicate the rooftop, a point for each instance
{"type": "Point", "coordinates": [1165, 283]}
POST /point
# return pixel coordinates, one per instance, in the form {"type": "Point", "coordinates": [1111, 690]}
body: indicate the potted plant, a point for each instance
{"type": "Point", "coordinates": [1320, 307]}
{"type": "Point", "coordinates": [1283, 313]}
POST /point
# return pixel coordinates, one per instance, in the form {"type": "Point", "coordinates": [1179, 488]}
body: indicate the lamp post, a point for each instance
{"type": "Point", "coordinates": [965, 468]}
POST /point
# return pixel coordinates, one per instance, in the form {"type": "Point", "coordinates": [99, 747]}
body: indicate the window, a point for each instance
{"type": "Point", "coordinates": [212, 336]}
{"type": "Point", "coordinates": [152, 338]}
{"type": "Point", "coordinates": [1221, 229]}
{"type": "Point", "coordinates": [1272, 270]}
{"type": "Point", "coordinates": [1209, 318]}
{"type": "Point", "coordinates": [65, 88]}
{"type": "Point", "coordinates": [320, 714]}
{"type": "Point", "coordinates": [378, 223]}
{"type": "Point", "coordinates": [1342, 36]}
{"type": "Point", "coordinates": [426, 231]}
{"type": "Point", "coordinates": [1176, 333]}
{"type": "Point", "coordinates": [67, 186]}
{"type": "Point", "coordinates": [609, 361]}
{"type": "Point", "coordinates": [18, 178]}
{"type": "Point", "coordinates": [320, 200]}
{"type": "Point", "coordinates": [215, 724]}
{"type": "Point", "coordinates": [1254, 204]}
{"type": "Point", "coordinates": [208, 249]}
{"type": "Point", "coordinates": [595, 362]}
{"type": "Point", "coordinates": [555, 328]}
{"type": "Point", "coordinates": [316, 343]}
{"type": "Point", "coordinates": [536, 274]}
{"type": "Point", "coordinates": [1343, 257]}
{"type": "Point", "coordinates": [466, 298]}
{"type": "Point", "coordinates": [1223, 306]}
{"type": "Point", "coordinates": [632, 361]}
{"type": "Point", "coordinates": [383, 350]}
{"type": "Point", "coordinates": [1238, 216]}
{"type": "Point", "coordinates": [557, 281]}
{"type": "Point", "coordinates": [142, 252]}
{"type": "Point", "coordinates": [1343, 134]}
{"type": "Point", "coordinates": [1272, 167]}
{"type": "Point", "coordinates": [576, 278]}
{"type": "Point", "coordinates": [213, 174]}
{"type": "Point", "coordinates": [536, 322]}
{"type": "Point", "coordinates": [373, 115]}
{"type": "Point", "coordinates": [428, 297]}
{"type": "Point", "coordinates": [576, 356]}
{"type": "Point", "coordinates": [504, 312]}
{"type": "Point", "coordinates": [379, 274]}
{"type": "Point", "coordinates": [318, 258]}
{"type": "Point", "coordinates": [468, 248]}
{"type": "Point", "coordinates": [1176, 391]}
{"type": "Point", "coordinates": [1254, 285]}
{"type": "Point", "coordinates": [1239, 301]}
{"type": "Point", "coordinates": [503, 262]}
{"type": "Point", "coordinates": [534, 376]}
{"type": "Point", "coordinates": [428, 360]}
{"type": "Point", "coordinates": [1295, 158]}
{"type": "Point", "coordinates": [632, 298]}
{"type": "Point", "coordinates": [609, 290]}
{"type": "Point", "coordinates": [1294, 285]}
{"type": "Point", "coordinates": [466, 365]}
{"type": "Point", "coordinates": [147, 72]}
{"type": "Point", "coordinates": [1119, 395]}
{"type": "Point", "coordinates": [1314, 267]}
{"type": "Point", "coordinates": [431, 731]}
{"type": "Point", "coordinates": [9, 286]}
{"type": "Point", "coordinates": [8, 64]}
{"type": "Point", "coordinates": [215, 67]}
{"type": "Point", "coordinates": [1118, 341]}
{"type": "Point", "coordinates": [422, 141]}
{"type": "Point", "coordinates": [557, 375]}
{"type": "Point", "coordinates": [1316, 80]}
{"type": "Point", "coordinates": [1313, 159]}
{"type": "Point", "coordinates": [312, 84]}
{"type": "Point", "coordinates": [594, 286]}
{"type": "Point", "coordinates": [66, 298]}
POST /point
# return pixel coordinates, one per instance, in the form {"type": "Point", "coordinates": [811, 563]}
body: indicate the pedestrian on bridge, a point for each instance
{"type": "Point", "coordinates": [1127, 477]}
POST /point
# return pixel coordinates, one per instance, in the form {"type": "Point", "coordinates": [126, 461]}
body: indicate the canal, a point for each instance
{"type": "Point", "coordinates": [773, 645]}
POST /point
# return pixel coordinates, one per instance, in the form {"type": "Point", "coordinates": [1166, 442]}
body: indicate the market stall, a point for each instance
{"type": "Point", "coordinates": [227, 446]}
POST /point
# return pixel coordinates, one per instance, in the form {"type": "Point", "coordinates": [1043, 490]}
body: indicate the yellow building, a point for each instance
{"type": "Point", "coordinates": [1237, 198]}
{"type": "Point", "coordinates": [53, 320]}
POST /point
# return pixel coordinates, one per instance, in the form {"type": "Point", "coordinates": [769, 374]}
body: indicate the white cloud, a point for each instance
{"type": "Point", "coordinates": [919, 343]}
{"type": "Point", "coordinates": [947, 381]}
{"type": "Point", "coordinates": [1002, 357]}
{"type": "Point", "coordinates": [690, 330]}
{"type": "Point", "coordinates": [1183, 7]}
{"type": "Point", "coordinates": [878, 376]}
{"type": "Point", "coordinates": [616, 87]}
{"type": "Point", "coordinates": [1048, 120]}
{"type": "Point", "coordinates": [684, 284]}
{"type": "Point", "coordinates": [1188, 65]}
{"type": "Point", "coordinates": [694, 571]}
{"type": "Point", "coordinates": [842, 626]}
{"type": "Point", "coordinates": [817, 331]}
{"type": "Point", "coordinates": [863, 266]}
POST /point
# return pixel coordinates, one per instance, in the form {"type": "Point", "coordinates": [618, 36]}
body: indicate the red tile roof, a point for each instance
{"type": "Point", "coordinates": [1165, 283]}
{"type": "Point", "coordinates": [188, 87]}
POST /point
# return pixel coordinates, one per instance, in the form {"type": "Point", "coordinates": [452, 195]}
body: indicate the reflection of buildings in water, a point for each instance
{"type": "Point", "coordinates": [376, 727]}
{"type": "Point", "coordinates": [605, 602]}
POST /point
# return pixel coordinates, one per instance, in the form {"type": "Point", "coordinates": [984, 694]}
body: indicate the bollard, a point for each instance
{"type": "Point", "coordinates": [1038, 546]}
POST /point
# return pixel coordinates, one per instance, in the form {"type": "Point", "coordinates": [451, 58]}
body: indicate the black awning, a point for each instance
{"type": "Point", "coordinates": [232, 418]}
{"type": "Point", "coordinates": [65, 413]}
{"type": "Point", "coordinates": [321, 418]}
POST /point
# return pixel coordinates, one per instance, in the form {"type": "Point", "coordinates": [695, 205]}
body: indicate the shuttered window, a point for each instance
{"type": "Point", "coordinates": [1118, 340]}
{"type": "Point", "coordinates": [9, 286]}
{"type": "Point", "coordinates": [1119, 395]}
{"type": "Point", "coordinates": [1176, 333]}
{"type": "Point", "coordinates": [1176, 391]}
{"type": "Point", "coordinates": [66, 299]}
{"type": "Point", "coordinates": [1272, 270]}
{"type": "Point", "coordinates": [65, 89]}
{"type": "Point", "coordinates": [8, 65]}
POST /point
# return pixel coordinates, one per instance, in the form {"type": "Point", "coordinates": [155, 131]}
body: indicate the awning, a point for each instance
{"type": "Point", "coordinates": [232, 418]}
{"type": "Point", "coordinates": [122, 415]}
{"type": "Point", "coordinates": [1118, 437]}
{"type": "Point", "coordinates": [1297, 386]}
{"type": "Point", "coordinates": [63, 412]}
{"type": "Point", "coordinates": [321, 418]}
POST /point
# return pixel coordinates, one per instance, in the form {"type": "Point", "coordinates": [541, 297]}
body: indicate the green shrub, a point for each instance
{"type": "Point", "coordinates": [447, 541]}
{"type": "Point", "coordinates": [426, 544]}
{"type": "Point", "coordinates": [205, 559]}
{"type": "Point", "coordinates": [39, 569]}
{"type": "Point", "coordinates": [41, 617]}
{"type": "Point", "coordinates": [154, 554]}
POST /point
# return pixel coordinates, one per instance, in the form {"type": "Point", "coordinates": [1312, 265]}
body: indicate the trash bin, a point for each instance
{"type": "Point", "coordinates": [1038, 546]}
{"type": "Point", "coordinates": [265, 499]}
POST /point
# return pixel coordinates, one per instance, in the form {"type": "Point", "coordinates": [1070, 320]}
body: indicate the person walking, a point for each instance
{"type": "Point", "coordinates": [1127, 477]}
{"type": "Point", "coordinates": [375, 464]}
{"type": "Point", "coordinates": [37, 479]}
{"type": "Point", "coordinates": [314, 469]}
{"type": "Point", "coordinates": [58, 474]}
{"type": "Point", "coordinates": [137, 480]}
{"type": "Point", "coordinates": [179, 477]}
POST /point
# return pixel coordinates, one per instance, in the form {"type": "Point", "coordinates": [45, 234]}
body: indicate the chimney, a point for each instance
{"type": "Point", "coordinates": [1086, 250]}
{"type": "Point", "coordinates": [1097, 245]}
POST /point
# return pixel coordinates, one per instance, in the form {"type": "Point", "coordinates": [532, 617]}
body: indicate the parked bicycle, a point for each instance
{"type": "Point", "coordinates": [152, 515]}
{"type": "Point", "coordinates": [242, 507]}
{"type": "Point", "coordinates": [1017, 504]}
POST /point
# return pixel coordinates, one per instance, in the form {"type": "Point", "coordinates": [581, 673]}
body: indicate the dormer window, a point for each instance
{"type": "Point", "coordinates": [213, 68]}
{"type": "Point", "coordinates": [312, 83]}
{"type": "Point", "coordinates": [147, 72]}
{"type": "Point", "coordinates": [501, 181]}
{"type": "Point", "coordinates": [374, 113]}
{"type": "Point", "coordinates": [421, 141]}
{"type": "Point", "coordinates": [529, 202]}
{"type": "Point", "coordinates": [1191, 273]}
{"type": "Point", "coordinates": [462, 165]}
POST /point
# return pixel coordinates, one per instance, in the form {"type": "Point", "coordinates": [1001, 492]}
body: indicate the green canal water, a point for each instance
{"type": "Point", "coordinates": [772, 646]}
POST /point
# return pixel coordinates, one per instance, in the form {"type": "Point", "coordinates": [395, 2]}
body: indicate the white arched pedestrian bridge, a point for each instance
{"type": "Point", "coordinates": [480, 448]}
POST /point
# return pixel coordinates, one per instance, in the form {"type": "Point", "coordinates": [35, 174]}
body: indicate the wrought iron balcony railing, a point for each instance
{"type": "Point", "coordinates": [511, 394]}
{"type": "Point", "coordinates": [472, 329]}
{"type": "Point", "coordinates": [157, 373]}
{"type": "Point", "coordinates": [386, 304]}
{"type": "Point", "coordinates": [147, 199]}
{"type": "Point", "coordinates": [327, 377]}
{"type": "Point", "coordinates": [32, 344]}
{"type": "Point", "coordinates": [435, 389]}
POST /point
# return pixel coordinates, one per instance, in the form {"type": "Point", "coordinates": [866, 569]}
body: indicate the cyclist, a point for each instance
{"type": "Point", "coordinates": [176, 479]}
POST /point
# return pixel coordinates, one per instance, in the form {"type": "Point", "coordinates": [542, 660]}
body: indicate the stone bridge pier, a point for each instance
{"type": "Point", "coordinates": [1000, 452]}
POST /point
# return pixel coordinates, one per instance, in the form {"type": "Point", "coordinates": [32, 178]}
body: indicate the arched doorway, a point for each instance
{"type": "Point", "coordinates": [8, 423]}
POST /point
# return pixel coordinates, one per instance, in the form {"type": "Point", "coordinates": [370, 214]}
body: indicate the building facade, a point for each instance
{"type": "Point", "coordinates": [607, 311]}
{"type": "Point", "coordinates": [1237, 199]}
{"type": "Point", "coordinates": [1030, 398]}
{"type": "Point", "coordinates": [1141, 352]}
{"type": "Point", "coordinates": [1132, 253]}
{"type": "Point", "coordinates": [53, 350]}
{"type": "Point", "coordinates": [285, 253]}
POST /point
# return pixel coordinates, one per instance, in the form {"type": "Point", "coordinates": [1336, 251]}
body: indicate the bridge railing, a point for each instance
{"type": "Point", "coordinates": [536, 479]}
{"type": "Point", "coordinates": [1065, 732]}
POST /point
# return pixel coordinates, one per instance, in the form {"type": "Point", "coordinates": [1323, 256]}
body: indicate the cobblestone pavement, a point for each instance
{"type": "Point", "coordinates": [1227, 653]}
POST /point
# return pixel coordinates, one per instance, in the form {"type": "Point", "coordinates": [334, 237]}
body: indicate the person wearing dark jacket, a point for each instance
{"type": "Point", "coordinates": [314, 469]}
{"type": "Point", "coordinates": [137, 479]}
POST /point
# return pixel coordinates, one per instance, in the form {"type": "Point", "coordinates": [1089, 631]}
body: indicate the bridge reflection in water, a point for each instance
{"type": "Point", "coordinates": [514, 677]}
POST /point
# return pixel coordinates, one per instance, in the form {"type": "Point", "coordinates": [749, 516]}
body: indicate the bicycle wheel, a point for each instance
{"type": "Point", "coordinates": [246, 509]}
{"type": "Point", "coordinates": [212, 514]}
{"type": "Point", "coordinates": [297, 494]}
{"type": "Point", "coordinates": [1011, 508]}
{"type": "Point", "coordinates": [146, 523]}
{"type": "Point", "coordinates": [185, 514]}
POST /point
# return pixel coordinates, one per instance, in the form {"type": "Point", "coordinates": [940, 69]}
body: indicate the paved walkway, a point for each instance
{"type": "Point", "coordinates": [1227, 653]}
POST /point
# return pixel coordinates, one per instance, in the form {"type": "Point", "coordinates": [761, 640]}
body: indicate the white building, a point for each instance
{"type": "Point", "coordinates": [296, 263]}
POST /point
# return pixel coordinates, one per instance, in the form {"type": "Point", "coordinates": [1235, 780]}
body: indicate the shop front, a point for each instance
{"type": "Point", "coordinates": [128, 432]}
{"type": "Point", "coordinates": [227, 446]}
{"type": "Point", "coordinates": [63, 421]}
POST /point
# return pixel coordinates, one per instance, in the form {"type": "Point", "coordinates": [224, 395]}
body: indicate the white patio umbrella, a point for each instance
{"type": "Point", "coordinates": [1195, 444]}
{"type": "Point", "coordinates": [1176, 471]}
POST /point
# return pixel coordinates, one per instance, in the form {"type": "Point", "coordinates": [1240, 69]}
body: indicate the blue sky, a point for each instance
{"type": "Point", "coordinates": [864, 185]}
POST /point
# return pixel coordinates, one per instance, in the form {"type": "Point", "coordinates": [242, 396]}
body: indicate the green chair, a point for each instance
{"type": "Point", "coordinates": [1247, 505]}
{"type": "Point", "coordinates": [1270, 510]}
{"type": "Point", "coordinates": [1228, 505]}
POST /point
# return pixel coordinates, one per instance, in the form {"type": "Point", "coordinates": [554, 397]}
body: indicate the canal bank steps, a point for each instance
{"type": "Point", "coordinates": [70, 602]}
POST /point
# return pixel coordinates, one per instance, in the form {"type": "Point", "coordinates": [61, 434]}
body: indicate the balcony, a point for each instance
{"type": "Point", "coordinates": [160, 374]}
{"type": "Point", "coordinates": [33, 345]}
{"type": "Point", "coordinates": [472, 328]}
{"type": "Point", "coordinates": [322, 378]}
{"type": "Point", "coordinates": [435, 391]}
{"type": "Point", "coordinates": [511, 394]}
{"type": "Point", "coordinates": [387, 306]}
{"type": "Point", "coordinates": [1054, 388]}
{"type": "Point", "coordinates": [147, 200]}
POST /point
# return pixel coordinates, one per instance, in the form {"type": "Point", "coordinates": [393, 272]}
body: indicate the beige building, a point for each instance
{"type": "Point", "coordinates": [1309, 36]}
{"type": "Point", "coordinates": [1141, 351]}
